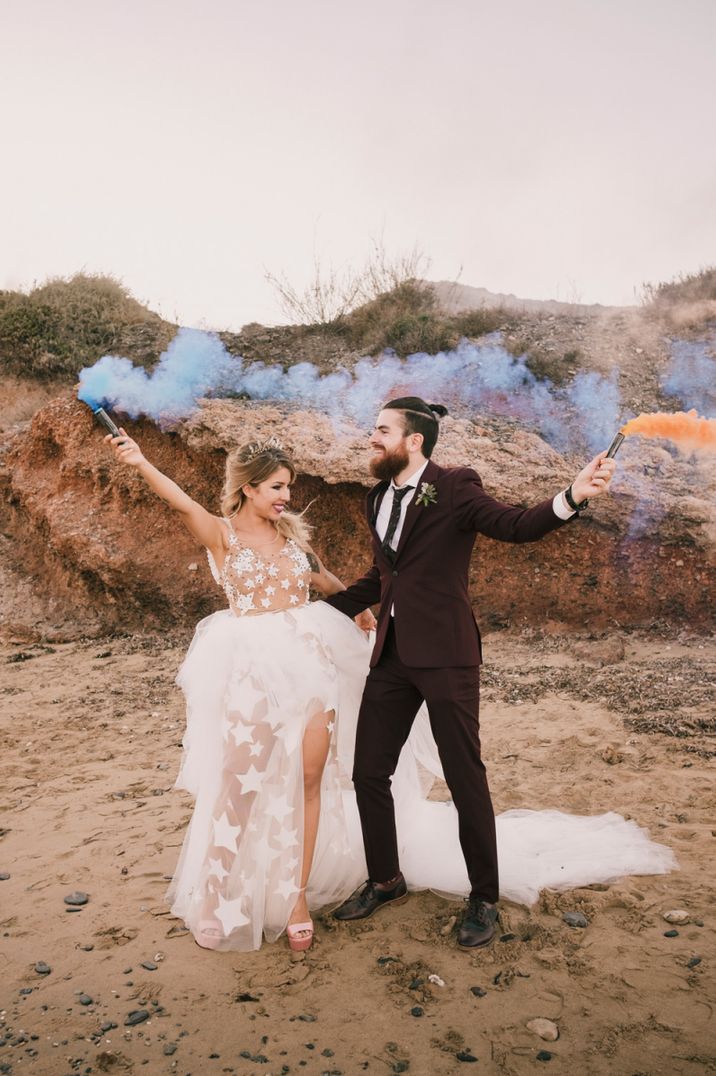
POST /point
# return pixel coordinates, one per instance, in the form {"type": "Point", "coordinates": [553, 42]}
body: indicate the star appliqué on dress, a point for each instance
{"type": "Point", "coordinates": [217, 870]}
{"type": "Point", "coordinates": [250, 781]}
{"type": "Point", "coordinates": [225, 835]}
{"type": "Point", "coordinates": [286, 888]}
{"type": "Point", "coordinates": [230, 915]}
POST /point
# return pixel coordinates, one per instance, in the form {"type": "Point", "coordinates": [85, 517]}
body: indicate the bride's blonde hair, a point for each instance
{"type": "Point", "coordinates": [249, 466]}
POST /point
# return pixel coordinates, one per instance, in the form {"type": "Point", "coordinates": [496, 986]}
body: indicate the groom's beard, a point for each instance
{"type": "Point", "coordinates": [387, 465]}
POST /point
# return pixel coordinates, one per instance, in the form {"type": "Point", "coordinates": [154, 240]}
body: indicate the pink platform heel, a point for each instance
{"type": "Point", "coordinates": [300, 945]}
{"type": "Point", "coordinates": [296, 943]}
{"type": "Point", "coordinates": [209, 934]}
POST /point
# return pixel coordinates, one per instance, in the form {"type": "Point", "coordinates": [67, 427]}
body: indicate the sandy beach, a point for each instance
{"type": "Point", "coordinates": [91, 746]}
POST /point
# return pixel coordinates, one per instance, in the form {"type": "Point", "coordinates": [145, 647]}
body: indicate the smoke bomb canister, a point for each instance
{"type": "Point", "coordinates": [103, 417]}
{"type": "Point", "coordinates": [615, 446]}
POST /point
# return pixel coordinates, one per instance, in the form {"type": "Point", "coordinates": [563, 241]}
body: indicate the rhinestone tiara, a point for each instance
{"type": "Point", "coordinates": [258, 448]}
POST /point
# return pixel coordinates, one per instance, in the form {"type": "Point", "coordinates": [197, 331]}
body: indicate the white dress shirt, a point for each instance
{"type": "Point", "coordinates": [381, 523]}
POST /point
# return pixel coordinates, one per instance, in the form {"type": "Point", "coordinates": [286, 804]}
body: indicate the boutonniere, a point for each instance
{"type": "Point", "coordinates": [427, 495]}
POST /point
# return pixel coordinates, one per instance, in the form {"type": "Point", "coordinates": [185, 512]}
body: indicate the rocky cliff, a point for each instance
{"type": "Point", "coordinates": [110, 556]}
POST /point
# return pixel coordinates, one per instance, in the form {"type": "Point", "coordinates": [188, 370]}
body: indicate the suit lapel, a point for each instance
{"type": "Point", "coordinates": [373, 502]}
{"type": "Point", "coordinates": [415, 510]}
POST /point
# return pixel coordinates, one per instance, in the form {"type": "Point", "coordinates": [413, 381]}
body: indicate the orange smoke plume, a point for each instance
{"type": "Point", "coordinates": [685, 428]}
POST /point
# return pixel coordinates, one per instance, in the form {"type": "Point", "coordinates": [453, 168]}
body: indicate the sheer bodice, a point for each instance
{"type": "Point", "coordinates": [263, 582]}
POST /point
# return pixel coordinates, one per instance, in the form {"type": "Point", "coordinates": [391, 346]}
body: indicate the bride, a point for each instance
{"type": "Point", "coordinates": [273, 686]}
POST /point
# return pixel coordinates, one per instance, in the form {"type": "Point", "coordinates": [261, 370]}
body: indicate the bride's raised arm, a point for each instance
{"type": "Point", "coordinates": [206, 528]}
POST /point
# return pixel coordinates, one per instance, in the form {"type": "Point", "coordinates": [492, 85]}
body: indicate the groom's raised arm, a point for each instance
{"type": "Point", "coordinates": [476, 510]}
{"type": "Point", "coordinates": [359, 595]}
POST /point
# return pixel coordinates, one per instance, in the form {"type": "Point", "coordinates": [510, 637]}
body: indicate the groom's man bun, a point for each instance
{"type": "Point", "coordinates": [419, 417]}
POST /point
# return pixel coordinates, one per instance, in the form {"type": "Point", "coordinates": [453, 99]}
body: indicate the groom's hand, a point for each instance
{"type": "Point", "coordinates": [366, 621]}
{"type": "Point", "coordinates": [594, 479]}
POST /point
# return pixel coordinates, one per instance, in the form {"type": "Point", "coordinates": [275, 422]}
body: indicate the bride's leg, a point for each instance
{"type": "Point", "coordinates": [232, 812]}
{"type": "Point", "coordinates": [316, 741]}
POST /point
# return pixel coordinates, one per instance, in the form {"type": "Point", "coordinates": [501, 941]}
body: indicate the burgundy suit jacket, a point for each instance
{"type": "Point", "coordinates": [427, 583]}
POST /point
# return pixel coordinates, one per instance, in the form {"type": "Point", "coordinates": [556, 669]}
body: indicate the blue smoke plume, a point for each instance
{"type": "Point", "coordinates": [691, 375]}
{"type": "Point", "coordinates": [473, 379]}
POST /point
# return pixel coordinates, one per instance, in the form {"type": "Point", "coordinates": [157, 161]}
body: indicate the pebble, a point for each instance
{"type": "Point", "coordinates": [465, 1055]}
{"type": "Point", "coordinates": [108, 1025]}
{"type": "Point", "coordinates": [436, 980]}
{"type": "Point", "coordinates": [4, 876]}
{"type": "Point", "coordinates": [416, 1010]}
{"type": "Point", "coordinates": [694, 962]}
{"type": "Point", "coordinates": [575, 919]}
{"type": "Point", "coordinates": [507, 937]}
{"type": "Point", "coordinates": [42, 968]}
{"type": "Point", "coordinates": [678, 915]}
{"type": "Point", "coordinates": [307, 1018]}
{"type": "Point", "coordinates": [449, 926]}
{"type": "Point", "coordinates": [85, 999]}
{"type": "Point", "coordinates": [136, 1016]}
{"type": "Point", "coordinates": [544, 1055]}
{"type": "Point", "coordinates": [26, 990]}
{"type": "Point", "coordinates": [478, 991]}
{"type": "Point", "coordinates": [169, 1049]}
{"type": "Point", "coordinates": [87, 948]}
{"type": "Point", "coordinates": [671, 933]}
{"type": "Point", "coordinates": [546, 1029]}
{"type": "Point", "coordinates": [149, 965]}
{"type": "Point", "coordinates": [77, 898]}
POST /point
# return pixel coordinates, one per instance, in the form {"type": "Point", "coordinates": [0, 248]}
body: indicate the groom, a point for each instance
{"type": "Point", "coordinates": [423, 521]}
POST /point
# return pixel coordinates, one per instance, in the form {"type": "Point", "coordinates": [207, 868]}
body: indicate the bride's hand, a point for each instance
{"type": "Point", "coordinates": [366, 621]}
{"type": "Point", "coordinates": [125, 449]}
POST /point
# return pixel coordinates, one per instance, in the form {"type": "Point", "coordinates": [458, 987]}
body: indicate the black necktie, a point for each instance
{"type": "Point", "coordinates": [398, 495]}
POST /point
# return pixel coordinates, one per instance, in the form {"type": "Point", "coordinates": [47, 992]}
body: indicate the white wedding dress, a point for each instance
{"type": "Point", "coordinates": [256, 676]}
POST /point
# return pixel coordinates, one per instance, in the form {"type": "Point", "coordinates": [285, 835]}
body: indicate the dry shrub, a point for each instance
{"type": "Point", "coordinates": [688, 302]}
{"type": "Point", "coordinates": [332, 294]}
{"type": "Point", "coordinates": [385, 304]}
{"type": "Point", "coordinates": [686, 288]}
{"type": "Point", "coordinates": [63, 325]}
{"type": "Point", "coordinates": [408, 319]}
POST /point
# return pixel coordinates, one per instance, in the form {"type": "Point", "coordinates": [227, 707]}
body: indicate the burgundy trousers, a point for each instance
{"type": "Point", "coordinates": [392, 697]}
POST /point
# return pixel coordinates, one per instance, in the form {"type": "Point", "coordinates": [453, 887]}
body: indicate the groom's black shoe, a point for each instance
{"type": "Point", "coordinates": [478, 924]}
{"type": "Point", "coordinates": [369, 899]}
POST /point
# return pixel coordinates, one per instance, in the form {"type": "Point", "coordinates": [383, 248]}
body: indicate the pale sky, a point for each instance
{"type": "Point", "coordinates": [554, 149]}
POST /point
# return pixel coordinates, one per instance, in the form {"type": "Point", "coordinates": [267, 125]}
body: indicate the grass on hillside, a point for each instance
{"type": "Point", "coordinates": [386, 303]}
{"type": "Point", "coordinates": [408, 319]}
{"type": "Point", "coordinates": [686, 288]}
{"type": "Point", "coordinates": [65, 324]}
{"type": "Point", "coordinates": [686, 303]}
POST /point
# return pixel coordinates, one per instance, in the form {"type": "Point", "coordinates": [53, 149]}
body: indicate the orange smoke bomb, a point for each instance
{"type": "Point", "coordinates": [685, 428]}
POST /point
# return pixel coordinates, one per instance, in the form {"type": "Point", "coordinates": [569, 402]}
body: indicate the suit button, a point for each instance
{"type": "Point", "coordinates": [395, 573]}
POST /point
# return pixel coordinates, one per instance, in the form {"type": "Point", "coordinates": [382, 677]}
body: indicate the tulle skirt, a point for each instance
{"type": "Point", "coordinates": [253, 686]}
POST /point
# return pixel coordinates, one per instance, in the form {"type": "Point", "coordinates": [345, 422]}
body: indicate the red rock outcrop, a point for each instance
{"type": "Point", "coordinates": [114, 557]}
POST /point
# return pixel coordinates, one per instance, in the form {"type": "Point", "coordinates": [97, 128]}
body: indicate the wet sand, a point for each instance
{"type": "Point", "coordinates": [90, 749]}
